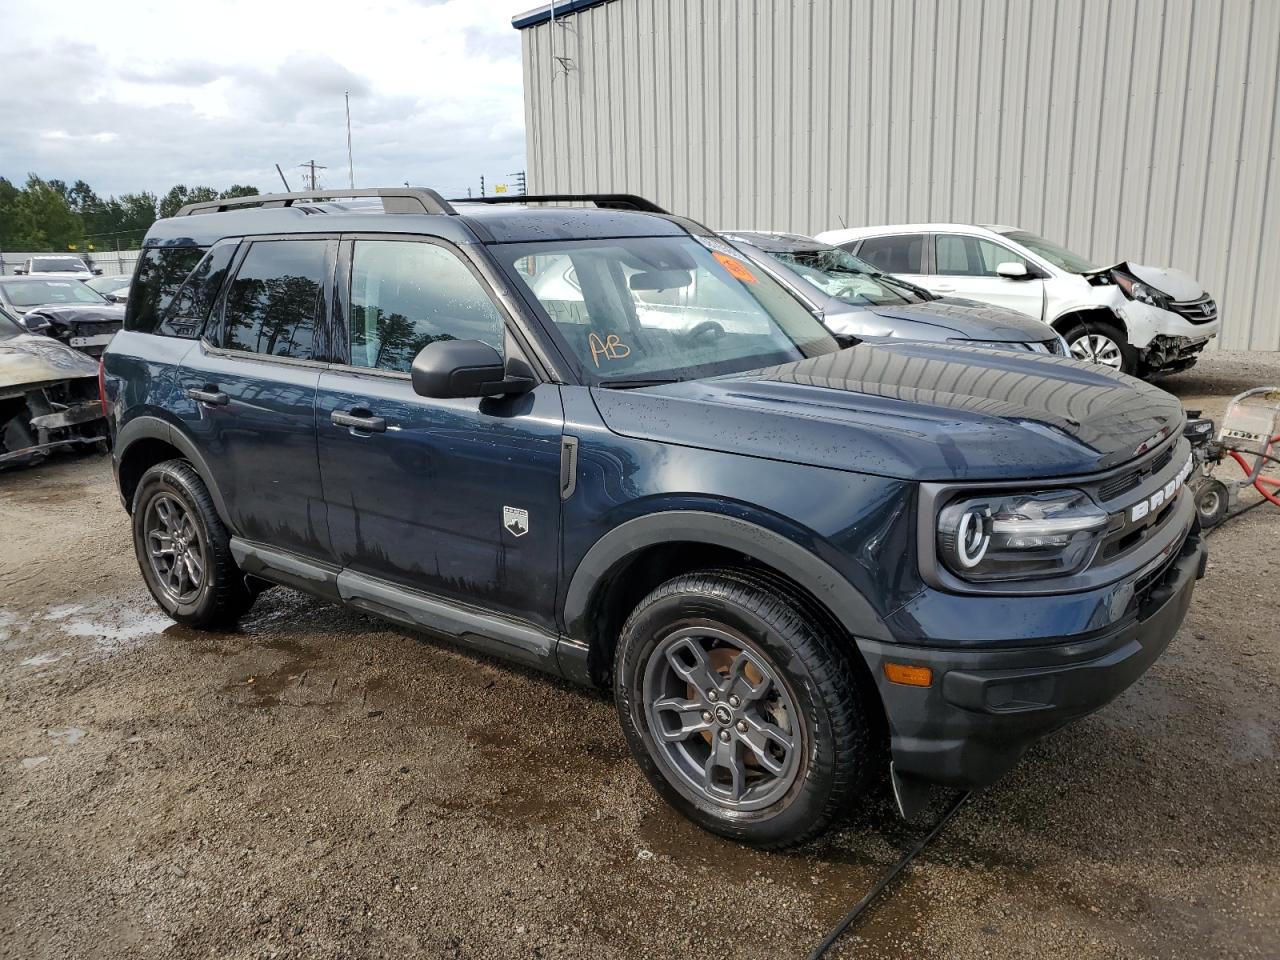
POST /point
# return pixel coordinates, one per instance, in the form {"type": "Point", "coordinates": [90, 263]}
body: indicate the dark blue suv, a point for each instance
{"type": "Point", "coordinates": [593, 439]}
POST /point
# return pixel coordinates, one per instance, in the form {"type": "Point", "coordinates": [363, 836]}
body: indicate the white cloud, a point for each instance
{"type": "Point", "coordinates": [160, 93]}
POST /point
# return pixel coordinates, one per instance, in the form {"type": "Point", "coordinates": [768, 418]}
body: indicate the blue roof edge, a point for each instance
{"type": "Point", "coordinates": [542, 14]}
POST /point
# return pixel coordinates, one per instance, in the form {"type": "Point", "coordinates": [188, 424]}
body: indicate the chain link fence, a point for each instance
{"type": "Point", "coordinates": [108, 261]}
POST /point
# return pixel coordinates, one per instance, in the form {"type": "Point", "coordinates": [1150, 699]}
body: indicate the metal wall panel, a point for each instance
{"type": "Point", "coordinates": [1128, 129]}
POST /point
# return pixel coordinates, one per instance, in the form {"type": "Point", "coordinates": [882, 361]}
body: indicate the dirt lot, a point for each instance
{"type": "Point", "coordinates": [322, 785]}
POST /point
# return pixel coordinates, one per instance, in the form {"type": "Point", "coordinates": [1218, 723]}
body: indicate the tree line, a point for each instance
{"type": "Point", "coordinates": [50, 215]}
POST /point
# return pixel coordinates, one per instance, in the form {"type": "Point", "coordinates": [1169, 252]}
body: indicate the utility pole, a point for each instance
{"type": "Point", "coordinates": [351, 169]}
{"type": "Point", "coordinates": [520, 183]}
{"type": "Point", "coordinates": [312, 166]}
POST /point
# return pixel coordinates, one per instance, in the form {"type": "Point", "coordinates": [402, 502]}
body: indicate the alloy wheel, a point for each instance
{"type": "Point", "coordinates": [723, 721]}
{"type": "Point", "coordinates": [174, 548]}
{"type": "Point", "coordinates": [1098, 348]}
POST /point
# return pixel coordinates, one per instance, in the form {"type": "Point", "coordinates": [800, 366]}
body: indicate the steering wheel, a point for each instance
{"type": "Point", "coordinates": [703, 329]}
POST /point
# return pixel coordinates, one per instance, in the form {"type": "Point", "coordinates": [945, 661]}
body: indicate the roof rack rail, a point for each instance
{"type": "Point", "coordinates": [394, 200]}
{"type": "Point", "coordinates": [609, 201]}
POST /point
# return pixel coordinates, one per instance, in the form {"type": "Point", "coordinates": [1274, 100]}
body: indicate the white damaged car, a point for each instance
{"type": "Point", "coordinates": [1138, 319]}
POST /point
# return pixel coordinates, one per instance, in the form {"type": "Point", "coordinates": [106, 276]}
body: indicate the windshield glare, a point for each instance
{"type": "Point", "coordinates": [840, 274]}
{"type": "Point", "coordinates": [1058, 255]}
{"type": "Point", "coordinates": [33, 293]}
{"type": "Point", "coordinates": [59, 265]}
{"type": "Point", "coordinates": [663, 308]}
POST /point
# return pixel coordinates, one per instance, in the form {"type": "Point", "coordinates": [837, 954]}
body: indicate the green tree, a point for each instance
{"type": "Point", "coordinates": [43, 218]}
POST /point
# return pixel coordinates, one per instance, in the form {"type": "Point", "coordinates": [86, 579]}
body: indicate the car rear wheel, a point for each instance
{"type": "Point", "coordinates": [1104, 343]}
{"type": "Point", "coordinates": [739, 709]}
{"type": "Point", "coordinates": [184, 550]}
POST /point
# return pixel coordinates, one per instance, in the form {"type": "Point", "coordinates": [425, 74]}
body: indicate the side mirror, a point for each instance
{"type": "Point", "coordinates": [34, 324]}
{"type": "Point", "coordinates": [452, 369]}
{"type": "Point", "coordinates": [19, 272]}
{"type": "Point", "coordinates": [1012, 271]}
{"type": "Point", "coordinates": [97, 271]}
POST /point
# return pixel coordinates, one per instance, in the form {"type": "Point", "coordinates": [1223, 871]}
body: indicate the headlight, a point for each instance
{"type": "Point", "coordinates": [1137, 290]}
{"type": "Point", "coordinates": [1019, 536]}
{"type": "Point", "coordinates": [988, 344]}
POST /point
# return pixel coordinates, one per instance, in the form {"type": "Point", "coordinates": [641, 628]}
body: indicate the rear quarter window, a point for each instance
{"type": "Point", "coordinates": [188, 313]}
{"type": "Point", "coordinates": [160, 274]}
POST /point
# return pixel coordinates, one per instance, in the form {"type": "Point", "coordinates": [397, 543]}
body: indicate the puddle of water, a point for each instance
{"type": "Point", "coordinates": [111, 634]}
{"type": "Point", "coordinates": [69, 736]}
{"type": "Point", "coordinates": [7, 620]}
{"type": "Point", "coordinates": [42, 659]}
{"type": "Point", "coordinates": [62, 611]}
{"type": "Point", "coordinates": [30, 763]}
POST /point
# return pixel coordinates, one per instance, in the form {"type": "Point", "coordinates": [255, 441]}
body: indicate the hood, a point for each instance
{"type": "Point", "coordinates": [29, 360]}
{"type": "Point", "coordinates": [971, 320]}
{"type": "Point", "coordinates": [69, 314]}
{"type": "Point", "coordinates": [911, 410]}
{"type": "Point", "coordinates": [1175, 284]}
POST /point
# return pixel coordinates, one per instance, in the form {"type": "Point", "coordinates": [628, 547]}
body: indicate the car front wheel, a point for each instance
{"type": "Point", "coordinates": [1104, 343]}
{"type": "Point", "coordinates": [739, 709]}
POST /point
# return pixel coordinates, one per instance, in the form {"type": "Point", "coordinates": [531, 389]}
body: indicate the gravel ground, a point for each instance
{"type": "Point", "coordinates": [319, 784]}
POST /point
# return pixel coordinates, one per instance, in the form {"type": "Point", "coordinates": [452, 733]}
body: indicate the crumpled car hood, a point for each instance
{"type": "Point", "coordinates": [67, 315]}
{"type": "Point", "coordinates": [29, 361]}
{"type": "Point", "coordinates": [972, 320]}
{"type": "Point", "coordinates": [911, 410]}
{"type": "Point", "coordinates": [1177, 285]}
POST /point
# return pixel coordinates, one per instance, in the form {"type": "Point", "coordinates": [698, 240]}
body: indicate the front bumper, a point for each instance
{"type": "Point", "coordinates": [985, 707]}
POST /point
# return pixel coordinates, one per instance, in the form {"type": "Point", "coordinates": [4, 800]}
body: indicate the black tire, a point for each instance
{"type": "Point", "coordinates": [1212, 501]}
{"type": "Point", "coordinates": [220, 597]}
{"type": "Point", "coordinates": [1081, 347]}
{"type": "Point", "coordinates": [831, 732]}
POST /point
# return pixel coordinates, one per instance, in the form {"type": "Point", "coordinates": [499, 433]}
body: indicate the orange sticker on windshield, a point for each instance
{"type": "Point", "coordinates": [735, 267]}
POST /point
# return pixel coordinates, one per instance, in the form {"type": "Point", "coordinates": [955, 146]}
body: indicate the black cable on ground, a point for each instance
{"type": "Point", "coordinates": [821, 949]}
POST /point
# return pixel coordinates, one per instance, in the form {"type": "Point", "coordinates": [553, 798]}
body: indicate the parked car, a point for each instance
{"type": "Point", "coordinates": [48, 396]}
{"type": "Point", "coordinates": [852, 297]}
{"type": "Point", "coordinates": [66, 310]}
{"type": "Point", "coordinates": [1141, 320]}
{"type": "Point", "coordinates": [786, 559]}
{"type": "Point", "coordinates": [54, 265]}
{"type": "Point", "coordinates": [114, 288]}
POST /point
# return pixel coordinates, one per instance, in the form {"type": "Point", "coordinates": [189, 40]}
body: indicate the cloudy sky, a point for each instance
{"type": "Point", "coordinates": [140, 94]}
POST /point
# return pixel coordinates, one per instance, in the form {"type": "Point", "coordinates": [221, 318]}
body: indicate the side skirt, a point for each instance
{"type": "Point", "coordinates": [471, 627]}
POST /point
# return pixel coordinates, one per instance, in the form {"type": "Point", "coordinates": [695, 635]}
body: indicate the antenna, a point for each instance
{"type": "Point", "coordinates": [351, 170]}
{"type": "Point", "coordinates": [843, 225]}
{"type": "Point", "coordinates": [287, 188]}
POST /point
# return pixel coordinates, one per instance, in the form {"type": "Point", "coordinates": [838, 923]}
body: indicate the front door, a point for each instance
{"type": "Point", "coordinates": [459, 499]}
{"type": "Point", "coordinates": [249, 392]}
{"type": "Point", "coordinates": [965, 266]}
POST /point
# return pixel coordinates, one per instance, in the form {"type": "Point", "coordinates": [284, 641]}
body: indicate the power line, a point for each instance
{"type": "Point", "coordinates": [312, 167]}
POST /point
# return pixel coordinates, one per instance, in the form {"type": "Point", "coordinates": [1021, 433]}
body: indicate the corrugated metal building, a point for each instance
{"type": "Point", "coordinates": [1126, 129]}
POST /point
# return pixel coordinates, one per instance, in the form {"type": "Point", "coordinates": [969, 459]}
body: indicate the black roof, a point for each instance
{"type": "Point", "coordinates": [777, 242]}
{"type": "Point", "coordinates": [472, 222]}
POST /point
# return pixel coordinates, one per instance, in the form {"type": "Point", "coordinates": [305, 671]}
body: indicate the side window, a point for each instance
{"type": "Point", "coordinates": [961, 256]}
{"type": "Point", "coordinates": [160, 272]}
{"type": "Point", "coordinates": [407, 294]}
{"type": "Point", "coordinates": [274, 301]}
{"type": "Point", "coordinates": [902, 253]}
{"type": "Point", "coordinates": [189, 311]}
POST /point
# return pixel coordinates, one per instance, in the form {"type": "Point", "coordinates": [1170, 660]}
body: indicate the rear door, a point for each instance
{"type": "Point", "coordinates": [965, 266]}
{"type": "Point", "coordinates": [902, 254]}
{"type": "Point", "coordinates": [459, 498]}
{"type": "Point", "coordinates": [248, 391]}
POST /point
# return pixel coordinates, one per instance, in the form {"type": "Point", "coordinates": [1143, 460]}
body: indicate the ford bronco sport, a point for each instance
{"type": "Point", "coordinates": [792, 559]}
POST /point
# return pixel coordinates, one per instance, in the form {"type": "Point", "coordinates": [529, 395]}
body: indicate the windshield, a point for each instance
{"type": "Point", "coordinates": [107, 284]}
{"type": "Point", "coordinates": [59, 265]}
{"type": "Point", "coordinates": [663, 308]}
{"type": "Point", "coordinates": [34, 292]}
{"type": "Point", "coordinates": [1059, 256]}
{"type": "Point", "coordinates": [840, 274]}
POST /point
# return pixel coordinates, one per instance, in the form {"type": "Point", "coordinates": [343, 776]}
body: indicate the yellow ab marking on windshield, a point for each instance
{"type": "Point", "coordinates": [611, 347]}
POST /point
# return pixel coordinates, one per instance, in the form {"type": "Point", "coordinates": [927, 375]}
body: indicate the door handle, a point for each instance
{"type": "Point", "coordinates": [364, 424]}
{"type": "Point", "coordinates": [210, 395]}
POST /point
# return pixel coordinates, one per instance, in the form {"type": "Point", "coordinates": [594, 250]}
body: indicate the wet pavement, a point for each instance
{"type": "Point", "coordinates": [320, 784]}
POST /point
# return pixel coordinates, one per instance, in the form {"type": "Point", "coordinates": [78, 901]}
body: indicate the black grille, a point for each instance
{"type": "Point", "coordinates": [95, 329]}
{"type": "Point", "coordinates": [1124, 482]}
{"type": "Point", "coordinates": [1203, 310]}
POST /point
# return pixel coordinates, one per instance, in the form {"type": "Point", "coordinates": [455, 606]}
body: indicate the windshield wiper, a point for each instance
{"type": "Point", "coordinates": [634, 384]}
